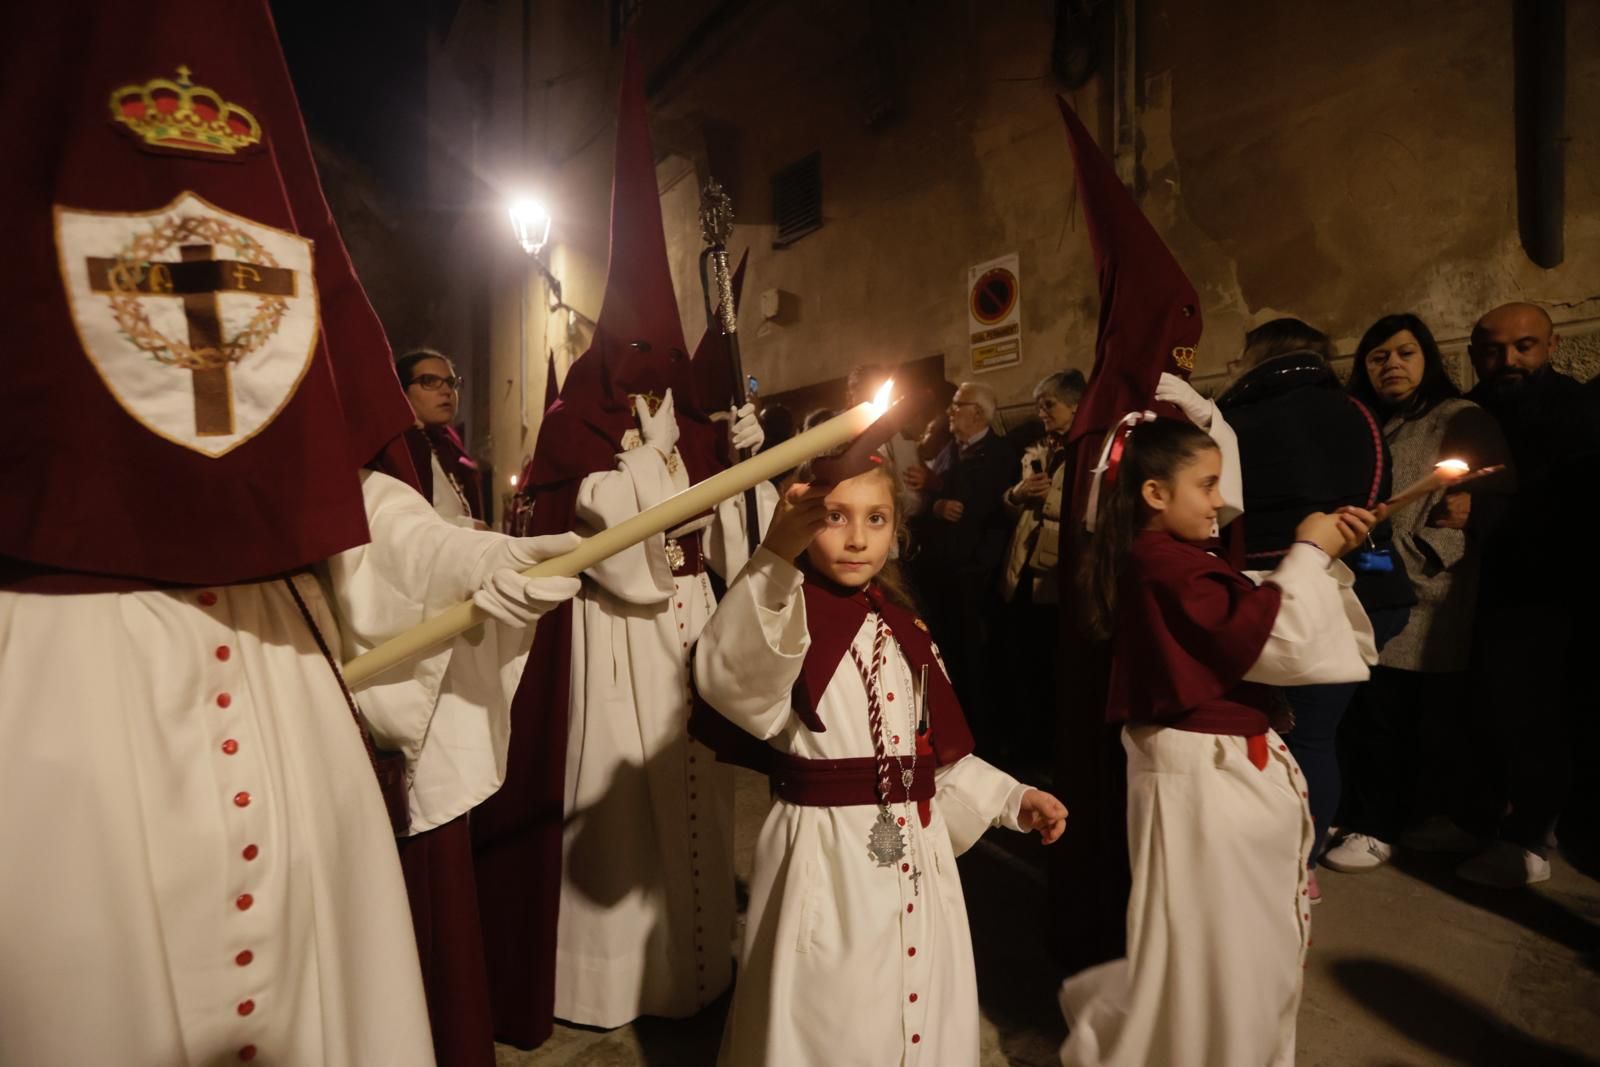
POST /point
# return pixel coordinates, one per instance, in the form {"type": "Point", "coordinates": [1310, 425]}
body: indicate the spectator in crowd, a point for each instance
{"type": "Point", "coordinates": [1404, 745]}
{"type": "Point", "coordinates": [959, 542]}
{"type": "Point", "coordinates": [1029, 587]}
{"type": "Point", "coordinates": [1529, 593]}
{"type": "Point", "coordinates": [1306, 446]}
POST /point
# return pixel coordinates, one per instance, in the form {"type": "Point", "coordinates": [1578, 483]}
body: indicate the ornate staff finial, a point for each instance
{"type": "Point", "coordinates": [716, 215]}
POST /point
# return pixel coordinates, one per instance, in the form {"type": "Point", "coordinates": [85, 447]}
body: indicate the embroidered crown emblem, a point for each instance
{"type": "Point", "coordinates": [168, 114]}
{"type": "Point", "coordinates": [1183, 356]}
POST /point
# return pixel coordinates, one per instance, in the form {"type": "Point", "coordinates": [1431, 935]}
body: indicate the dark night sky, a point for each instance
{"type": "Point", "coordinates": [359, 71]}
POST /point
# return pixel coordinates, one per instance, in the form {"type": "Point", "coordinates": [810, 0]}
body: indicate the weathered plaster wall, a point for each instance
{"type": "Point", "coordinates": [1331, 161]}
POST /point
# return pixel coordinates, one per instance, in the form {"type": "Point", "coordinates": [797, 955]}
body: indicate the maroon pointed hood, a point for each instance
{"type": "Point", "coordinates": [1149, 310]}
{"type": "Point", "coordinates": [638, 345]}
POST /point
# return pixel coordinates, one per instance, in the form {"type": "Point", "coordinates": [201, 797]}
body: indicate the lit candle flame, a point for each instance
{"type": "Point", "coordinates": [880, 401]}
{"type": "Point", "coordinates": [1452, 468]}
{"type": "Point", "coordinates": [513, 481]}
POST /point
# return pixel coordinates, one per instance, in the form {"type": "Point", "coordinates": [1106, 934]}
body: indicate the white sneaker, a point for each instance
{"type": "Point", "coordinates": [1505, 865]}
{"type": "Point", "coordinates": [1439, 834]}
{"type": "Point", "coordinates": [1358, 854]}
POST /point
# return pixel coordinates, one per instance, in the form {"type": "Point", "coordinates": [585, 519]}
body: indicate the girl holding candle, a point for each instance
{"type": "Point", "coordinates": [1218, 825]}
{"type": "Point", "coordinates": [857, 932]}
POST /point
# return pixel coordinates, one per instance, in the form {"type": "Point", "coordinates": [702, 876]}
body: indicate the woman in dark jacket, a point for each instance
{"type": "Point", "coordinates": [1306, 445]}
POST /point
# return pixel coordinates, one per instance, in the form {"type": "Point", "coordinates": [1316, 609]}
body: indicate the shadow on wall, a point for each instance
{"type": "Point", "coordinates": [1459, 1028]}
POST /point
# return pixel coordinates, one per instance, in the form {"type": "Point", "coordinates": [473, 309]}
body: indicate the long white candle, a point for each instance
{"type": "Point", "coordinates": [674, 511]}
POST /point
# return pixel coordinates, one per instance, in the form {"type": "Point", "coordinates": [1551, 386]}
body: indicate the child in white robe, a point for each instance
{"type": "Point", "coordinates": [857, 949]}
{"type": "Point", "coordinates": [1218, 827]}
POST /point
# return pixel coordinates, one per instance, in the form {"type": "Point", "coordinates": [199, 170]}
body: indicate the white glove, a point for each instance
{"type": "Point", "coordinates": [519, 601]}
{"type": "Point", "coordinates": [1174, 390]}
{"type": "Point", "coordinates": [660, 431]}
{"type": "Point", "coordinates": [745, 429]}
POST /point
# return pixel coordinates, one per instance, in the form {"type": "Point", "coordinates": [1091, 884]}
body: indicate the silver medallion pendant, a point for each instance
{"type": "Point", "coordinates": [885, 843]}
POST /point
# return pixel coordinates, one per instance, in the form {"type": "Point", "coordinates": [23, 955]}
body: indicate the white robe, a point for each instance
{"type": "Point", "coordinates": [194, 857]}
{"type": "Point", "coordinates": [647, 894]}
{"type": "Point", "coordinates": [1219, 916]}
{"type": "Point", "coordinates": [845, 962]}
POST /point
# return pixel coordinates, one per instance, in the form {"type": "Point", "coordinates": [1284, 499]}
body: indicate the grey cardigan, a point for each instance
{"type": "Point", "coordinates": [1443, 564]}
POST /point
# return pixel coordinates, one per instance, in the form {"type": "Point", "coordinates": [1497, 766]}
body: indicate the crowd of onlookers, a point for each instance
{"type": "Point", "coordinates": [1468, 734]}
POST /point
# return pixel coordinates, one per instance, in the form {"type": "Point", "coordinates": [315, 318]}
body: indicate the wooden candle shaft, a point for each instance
{"type": "Point", "coordinates": [674, 511]}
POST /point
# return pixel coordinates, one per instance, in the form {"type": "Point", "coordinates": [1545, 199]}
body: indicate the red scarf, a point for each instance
{"type": "Point", "coordinates": [834, 615]}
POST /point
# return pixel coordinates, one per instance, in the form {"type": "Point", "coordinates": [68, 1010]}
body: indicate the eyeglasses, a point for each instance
{"type": "Point", "coordinates": [433, 382]}
{"type": "Point", "coordinates": [957, 405]}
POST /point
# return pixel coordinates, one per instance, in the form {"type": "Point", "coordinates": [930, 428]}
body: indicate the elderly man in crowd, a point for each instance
{"type": "Point", "coordinates": [959, 541]}
{"type": "Point", "coordinates": [1527, 607]}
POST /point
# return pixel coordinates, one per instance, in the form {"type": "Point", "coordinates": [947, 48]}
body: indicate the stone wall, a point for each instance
{"type": "Point", "coordinates": [1332, 161]}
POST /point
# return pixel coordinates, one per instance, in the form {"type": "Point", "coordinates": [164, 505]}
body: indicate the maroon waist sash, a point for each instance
{"type": "Point", "coordinates": [838, 783]}
{"type": "Point", "coordinates": [686, 555]}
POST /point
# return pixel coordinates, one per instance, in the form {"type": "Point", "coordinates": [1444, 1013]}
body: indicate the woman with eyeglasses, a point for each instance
{"type": "Point", "coordinates": [1403, 735]}
{"type": "Point", "coordinates": [449, 477]}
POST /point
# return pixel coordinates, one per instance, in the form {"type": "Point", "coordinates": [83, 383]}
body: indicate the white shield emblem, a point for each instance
{"type": "Point", "coordinates": [200, 322]}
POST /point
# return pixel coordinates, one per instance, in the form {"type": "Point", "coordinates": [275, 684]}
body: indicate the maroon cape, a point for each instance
{"type": "Point", "coordinates": [1188, 627]}
{"type": "Point", "coordinates": [834, 615]}
{"type": "Point", "coordinates": [637, 349]}
{"type": "Point", "coordinates": [423, 443]}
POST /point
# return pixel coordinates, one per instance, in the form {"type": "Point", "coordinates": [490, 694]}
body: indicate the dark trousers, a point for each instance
{"type": "Point", "coordinates": [1314, 739]}
{"type": "Point", "coordinates": [1022, 668]}
{"type": "Point", "coordinates": [1526, 719]}
{"type": "Point", "coordinates": [1404, 752]}
{"type": "Point", "coordinates": [960, 603]}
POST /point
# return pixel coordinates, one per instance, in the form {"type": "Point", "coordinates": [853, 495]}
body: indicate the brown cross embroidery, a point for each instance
{"type": "Point", "coordinates": [196, 280]}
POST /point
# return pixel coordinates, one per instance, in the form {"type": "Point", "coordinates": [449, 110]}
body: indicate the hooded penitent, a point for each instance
{"type": "Point", "coordinates": [1149, 323]}
{"type": "Point", "coordinates": [200, 373]}
{"type": "Point", "coordinates": [637, 350]}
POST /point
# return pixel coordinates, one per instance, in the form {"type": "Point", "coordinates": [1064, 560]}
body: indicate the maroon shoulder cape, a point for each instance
{"type": "Point", "coordinates": [637, 349]}
{"type": "Point", "coordinates": [97, 474]}
{"type": "Point", "coordinates": [1188, 628]}
{"type": "Point", "coordinates": [834, 615]}
{"type": "Point", "coordinates": [425, 442]}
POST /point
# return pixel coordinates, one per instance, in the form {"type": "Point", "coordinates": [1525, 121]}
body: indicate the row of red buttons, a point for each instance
{"type": "Point", "coordinates": [694, 835]}
{"type": "Point", "coordinates": [241, 799]}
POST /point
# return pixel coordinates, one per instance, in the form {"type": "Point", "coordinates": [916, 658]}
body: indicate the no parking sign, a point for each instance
{"type": "Point", "coordinates": [994, 313]}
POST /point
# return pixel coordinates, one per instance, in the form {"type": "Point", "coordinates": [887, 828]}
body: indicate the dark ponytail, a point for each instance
{"type": "Point", "coordinates": [1154, 450]}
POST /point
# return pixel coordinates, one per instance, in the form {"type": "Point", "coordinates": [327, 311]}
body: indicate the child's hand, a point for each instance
{"type": "Point", "coordinates": [1322, 530]}
{"type": "Point", "coordinates": [1043, 812]}
{"type": "Point", "coordinates": [801, 514]}
{"type": "Point", "coordinates": [1356, 524]}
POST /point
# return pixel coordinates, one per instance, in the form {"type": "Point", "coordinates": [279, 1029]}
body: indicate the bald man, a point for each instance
{"type": "Point", "coordinates": [1533, 564]}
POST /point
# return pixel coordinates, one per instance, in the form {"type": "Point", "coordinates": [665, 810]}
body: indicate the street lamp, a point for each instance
{"type": "Point", "coordinates": [530, 221]}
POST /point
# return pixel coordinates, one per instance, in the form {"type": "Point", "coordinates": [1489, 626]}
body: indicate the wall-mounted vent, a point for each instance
{"type": "Point", "coordinates": [797, 200]}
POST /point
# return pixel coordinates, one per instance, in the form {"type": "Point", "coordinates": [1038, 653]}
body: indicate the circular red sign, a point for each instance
{"type": "Point", "coordinates": [994, 294]}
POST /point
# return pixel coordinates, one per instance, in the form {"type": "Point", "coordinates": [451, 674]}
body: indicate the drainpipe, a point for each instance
{"type": "Point", "coordinates": [1124, 93]}
{"type": "Point", "coordinates": [1539, 35]}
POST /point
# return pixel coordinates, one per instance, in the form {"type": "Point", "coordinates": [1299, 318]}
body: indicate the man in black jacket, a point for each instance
{"type": "Point", "coordinates": [1306, 445]}
{"type": "Point", "coordinates": [959, 541]}
{"type": "Point", "coordinates": [1528, 602]}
